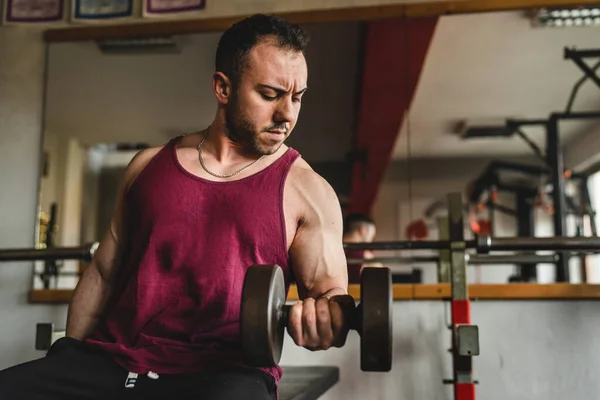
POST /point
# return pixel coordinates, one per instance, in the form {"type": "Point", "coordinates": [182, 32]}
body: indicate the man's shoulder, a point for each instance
{"type": "Point", "coordinates": [145, 155]}
{"type": "Point", "coordinates": [306, 179]}
{"type": "Point", "coordinates": [139, 161]}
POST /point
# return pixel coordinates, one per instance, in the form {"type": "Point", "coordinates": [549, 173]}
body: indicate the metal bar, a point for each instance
{"type": "Point", "coordinates": [516, 123]}
{"type": "Point", "coordinates": [400, 245]}
{"type": "Point", "coordinates": [576, 88]}
{"type": "Point", "coordinates": [461, 306]}
{"type": "Point", "coordinates": [572, 53]}
{"type": "Point", "coordinates": [479, 259]}
{"type": "Point", "coordinates": [498, 259]}
{"type": "Point", "coordinates": [85, 253]}
{"type": "Point", "coordinates": [457, 247]}
{"type": "Point", "coordinates": [578, 115]}
{"type": "Point", "coordinates": [587, 203]}
{"type": "Point", "coordinates": [61, 273]}
{"type": "Point", "coordinates": [534, 147]}
{"type": "Point", "coordinates": [491, 216]}
{"type": "Point", "coordinates": [555, 161]}
{"type": "Point", "coordinates": [444, 258]}
{"type": "Point", "coordinates": [393, 260]}
{"type": "Point", "coordinates": [589, 72]}
{"type": "Point", "coordinates": [487, 243]}
{"type": "Point", "coordinates": [525, 228]}
{"type": "Point", "coordinates": [508, 211]}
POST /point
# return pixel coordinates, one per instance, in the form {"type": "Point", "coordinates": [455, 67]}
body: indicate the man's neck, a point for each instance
{"type": "Point", "coordinates": [221, 148]}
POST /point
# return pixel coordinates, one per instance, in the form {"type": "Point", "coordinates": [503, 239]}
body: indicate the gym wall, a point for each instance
{"type": "Point", "coordinates": [21, 94]}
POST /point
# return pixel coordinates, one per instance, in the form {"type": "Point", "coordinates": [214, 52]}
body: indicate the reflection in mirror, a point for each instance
{"type": "Point", "coordinates": [482, 72]}
{"type": "Point", "coordinates": [398, 114]}
{"type": "Point", "coordinates": [104, 103]}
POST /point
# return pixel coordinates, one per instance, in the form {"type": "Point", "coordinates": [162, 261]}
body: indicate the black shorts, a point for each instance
{"type": "Point", "coordinates": [72, 371]}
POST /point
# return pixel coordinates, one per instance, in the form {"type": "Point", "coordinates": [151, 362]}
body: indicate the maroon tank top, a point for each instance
{"type": "Point", "coordinates": [354, 269]}
{"type": "Point", "coordinates": [175, 307]}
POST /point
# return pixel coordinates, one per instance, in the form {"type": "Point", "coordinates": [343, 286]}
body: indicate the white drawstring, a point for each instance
{"type": "Point", "coordinates": [132, 378]}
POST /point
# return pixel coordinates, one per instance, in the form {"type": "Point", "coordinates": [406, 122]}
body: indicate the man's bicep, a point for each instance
{"type": "Point", "coordinates": [317, 252]}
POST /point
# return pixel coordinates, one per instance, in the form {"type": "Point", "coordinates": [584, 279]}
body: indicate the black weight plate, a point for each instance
{"type": "Point", "coordinates": [376, 319]}
{"type": "Point", "coordinates": [262, 325]}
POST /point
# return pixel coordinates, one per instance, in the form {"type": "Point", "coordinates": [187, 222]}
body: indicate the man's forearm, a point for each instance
{"type": "Point", "coordinates": [87, 304]}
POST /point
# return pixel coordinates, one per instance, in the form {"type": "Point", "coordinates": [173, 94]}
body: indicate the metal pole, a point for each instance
{"type": "Point", "coordinates": [400, 245]}
{"type": "Point", "coordinates": [498, 259]}
{"type": "Point", "coordinates": [555, 161]}
{"type": "Point", "coordinates": [559, 244]}
{"type": "Point", "coordinates": [85, 252]}
{"type": "Point", "coordinates": [525, 228]}
{"type": "Point", "coordinates": [464, 386]}
{"type": "Point", "coordinates": [444, 259]}
{"type": "Point", "coordinates": [479, 259]}
{"type": "Point", "coordinates": [486, 243]}
{"type": "Point", "coordinates": [393, 260]}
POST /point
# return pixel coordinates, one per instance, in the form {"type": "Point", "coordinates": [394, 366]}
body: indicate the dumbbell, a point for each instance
{"type": "Point", "coordinates": [264, 317]}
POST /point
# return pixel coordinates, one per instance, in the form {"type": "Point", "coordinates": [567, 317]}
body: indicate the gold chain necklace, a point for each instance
{"type": "Point", "coordinates": [219, 175]}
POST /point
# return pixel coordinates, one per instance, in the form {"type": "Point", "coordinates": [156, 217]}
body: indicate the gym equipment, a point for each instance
{"type": "Point", "coordinates": [298, 382]}
{"type": "Point", "coordinates": [84, 253]}
{"type": "Point", "coordinates": [484, 244]}
{"type": "Point", "coordinates": [483, 259]}
{"type": "Point", "coordinates": [264, 317]}
{"type": "Point", "coordinates": [452, 254]}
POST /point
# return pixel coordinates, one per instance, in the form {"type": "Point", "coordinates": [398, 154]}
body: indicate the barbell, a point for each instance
{"type": "Point", "coordinates": [85, 253]}
{"type": "Point", "coordinates": [478, 259]}
{"type": "Point", "coordinates": [484, 244]}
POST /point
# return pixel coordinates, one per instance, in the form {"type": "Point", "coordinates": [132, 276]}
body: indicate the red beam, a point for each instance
{"type": "Point", "coordinates": [394, 56]}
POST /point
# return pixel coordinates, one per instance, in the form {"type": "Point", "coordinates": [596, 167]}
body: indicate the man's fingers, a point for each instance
{"type": "Point", "coordinates": [309, 323]}
{"type": "Point", "coordinates": [295, 323]}
{"type": "Point", "coordinates": [324, 327]}
{"type": "Point", "coordinates": [342, 310]}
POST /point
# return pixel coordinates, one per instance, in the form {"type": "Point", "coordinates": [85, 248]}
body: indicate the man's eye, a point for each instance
{"type": "Point", "coordinates": [269, 98]}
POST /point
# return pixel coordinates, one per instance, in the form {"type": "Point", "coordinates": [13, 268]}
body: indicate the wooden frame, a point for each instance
{"type": "Point", "coordinates": [365, 13]}
{"type": "Point", "coordinates": [420, 292]}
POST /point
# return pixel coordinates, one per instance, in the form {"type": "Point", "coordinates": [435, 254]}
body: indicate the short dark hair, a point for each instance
{"type": "Point", "coordinates": [355, 220]}
{"type": "Point", "coordinates": [237, 42]}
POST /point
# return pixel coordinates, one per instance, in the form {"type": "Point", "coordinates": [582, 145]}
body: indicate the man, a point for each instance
{"type": "Point", "coordinates": [156, 314]}
{"type": "Point", "coordinates": [358, 228]}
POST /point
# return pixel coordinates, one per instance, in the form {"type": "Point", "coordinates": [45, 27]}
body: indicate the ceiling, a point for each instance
{"type": "Point", "coordinates": [479, 66]}
{"type": "Point", "coordinates": [491, 67]}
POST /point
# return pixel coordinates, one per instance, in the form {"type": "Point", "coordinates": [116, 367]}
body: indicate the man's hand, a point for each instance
{"type": "Point", "coordinates": [322, 323]}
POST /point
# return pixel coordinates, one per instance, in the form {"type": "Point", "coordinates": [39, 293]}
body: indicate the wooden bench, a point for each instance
{"type": "Point", "coordinates": [297, 383]}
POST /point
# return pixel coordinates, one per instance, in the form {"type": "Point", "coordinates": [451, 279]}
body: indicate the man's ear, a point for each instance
{"type": "Point", "coordinates": [362, 230]}
{"type": "Point", "coordinates": [222, 87]}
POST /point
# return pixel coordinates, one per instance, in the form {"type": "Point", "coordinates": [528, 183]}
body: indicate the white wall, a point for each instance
{"type": "Point", "coordinates": [21, 93]}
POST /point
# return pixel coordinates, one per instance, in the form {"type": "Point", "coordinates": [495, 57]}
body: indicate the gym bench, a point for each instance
{"type": "Point", "coordinates": [297, 383]}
